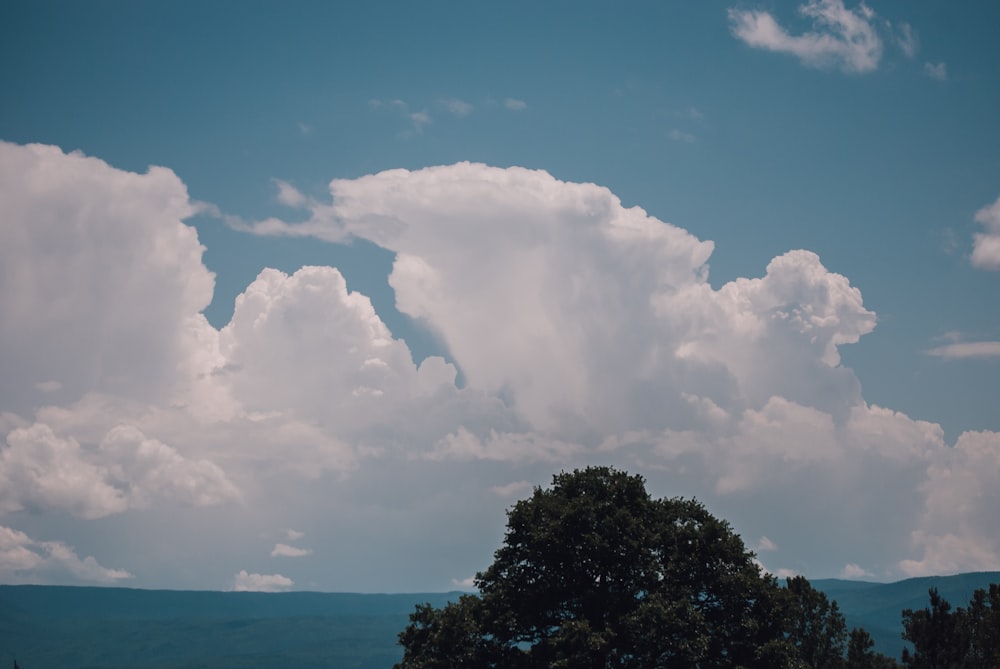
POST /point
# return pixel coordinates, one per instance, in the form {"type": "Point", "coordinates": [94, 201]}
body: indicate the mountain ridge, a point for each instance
{"type": "Point", "coordinates": [88, 627]}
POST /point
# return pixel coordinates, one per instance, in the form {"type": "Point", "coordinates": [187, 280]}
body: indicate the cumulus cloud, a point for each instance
{"type": "Point", "coordinates": [99, 276]}
{"type": "Point", "coordinates": [26, 560]}
{"type": "Point", "coordinates": [40, 471]}
{"type": "Point", "coordinates": [957, 531]}
{"type": "Point", "coordinates": [739, 386]}
{"type": "Point", "coordinates": [284, 550]}
{"type": "Point", "coordinates": [986, 249]}
{"type": "Point", "coordinates": [246, 582]}
{"type": "Point", "coordinates": [841, 37]}
{"type": "Point", "coordinates": [584, 331]}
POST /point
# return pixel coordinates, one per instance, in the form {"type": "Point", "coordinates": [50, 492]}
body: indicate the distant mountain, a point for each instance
{"type": "Point", "coordinates": [878, 606]}
{"type": "Point", "coordinates": [53, 627]}
{"type": "Point", "coordinates": [50, 627]}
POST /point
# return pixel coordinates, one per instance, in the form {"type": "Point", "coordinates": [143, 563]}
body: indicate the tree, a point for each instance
{"type": "Point", "coordinates": [815, 625]}
{"type": "Point", "coordinates": [959, 639]}
{"type": "Point", "coordinates": [593, 572]}
{"type": "Point", "coordinates": [860, 654]}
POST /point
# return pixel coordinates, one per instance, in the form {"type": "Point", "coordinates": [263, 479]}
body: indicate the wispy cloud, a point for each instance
{"type": "Point", "coordinates": [418, 119]}
{"type": "Point", "coordinates": [841, 37]}
{"type": "Point", "coordinates": [514, 104]}
{"type": "Point", "coordinates": [938, 71]}
{"type": "Point", "coordinates": [907, 40]}
{"type": "Point", "coordinates": [457, 107]}
{"type": "Point", "coordinates": [960, 350]}
{"type": "Point", "coordinates": [766, 544]}
{"type": "Point", "coordinates": [681, 136]}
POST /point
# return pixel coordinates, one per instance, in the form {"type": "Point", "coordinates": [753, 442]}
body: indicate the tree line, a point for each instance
{"type": "Point", "coordinates": [595, 573]}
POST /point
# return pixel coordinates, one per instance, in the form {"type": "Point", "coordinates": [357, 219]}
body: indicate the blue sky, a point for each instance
{"type": "Point", "coordinates": [800, 326]}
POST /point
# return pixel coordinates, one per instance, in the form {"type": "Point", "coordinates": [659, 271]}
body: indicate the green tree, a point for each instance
{"type": "Point", "coordinates": [980, 629]}
{"type": "Point", "coordinates": [593, 572]}
{"type": "Point", "coordinates": [959, 639]}
{"type": "Point", "coordinates": [815, 625]}
{"type": "Point", "coordinates": [860, 653]}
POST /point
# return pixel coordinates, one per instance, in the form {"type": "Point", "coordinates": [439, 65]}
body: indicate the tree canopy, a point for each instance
{"type": "Point", "coordinates": [594, 572]}
{"type": "Point", "coordinates": [964, 638]}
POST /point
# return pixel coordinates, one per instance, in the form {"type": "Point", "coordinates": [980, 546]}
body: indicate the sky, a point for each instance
{"type": "Point", "coordinates": [304, 296]}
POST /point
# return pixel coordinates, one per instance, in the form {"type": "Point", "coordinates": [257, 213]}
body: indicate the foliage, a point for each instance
{"type": "Point", "coordinates": [960, 639]}
{"type": "Point", "coordinates": [860, 654]}
{"type": "Point", "coordinates": [593, 572]}
{"type": "Point", "coordinates": [815, 626]}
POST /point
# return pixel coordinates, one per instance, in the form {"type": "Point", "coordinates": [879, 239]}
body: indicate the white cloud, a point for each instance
{"type": "Point", "coordinates": [765, 544]}
{"type": "Point", "coordinates": [284, 550]}
{"type": "Point", "coordinates": [244, 582]}
{"type": "Point", "coordinates": [149, 469]}
{"type": "Point", "coordinates": [40, 471]}
{"type": "Point", "coordinates": [959, 350]}
{"type": "Point", "coordinates": [289, 195]}
{"type": "Point", "coordinates": [680, 136]}
{"type": "Point", "coordinates": [841, 37]}
{"type": "Point", "coordinates": [294, 535]}
{"type": "Point", "coordinates": [464, 583]}
{"type": "Point", "coordinates": [513, 489]}
{"type": "Point", "coordinates": [101, 277]}
{"type": "Point", "coordinates": [938, 71]}
{"type": "Point", "coordinates": [854, 571]}
{"type": "Point", "coordinates": [457, 107]}
{"type": "Point", "coordinates": [26, 560]}
{"type": "Point", "coordinates": [514, 104]}
{"type": "Point", "coordinates": [986, 249]}
{"type": "Point", "coordinates": [585, 331]}
{"type": "Point", "coordinates": [958, 529]}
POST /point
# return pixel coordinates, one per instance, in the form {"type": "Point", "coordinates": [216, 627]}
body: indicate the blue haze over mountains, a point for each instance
{"type": "Point", "coordinates": [59, 627]}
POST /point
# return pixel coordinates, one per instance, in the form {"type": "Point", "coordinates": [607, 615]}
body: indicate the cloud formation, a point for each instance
{"type": "Point", "coordinates": [986, 244]}
{"type": "Point", "coordinates": [284, 550]}
{"type": "Point", "coordinates": [25, 560]}
{"type": "Point", "coordinates": [841, 38]}
{"type": "Point", "coordinates": [937, 71]}
{"type": "Point", "coordinates": [585, 331]}
{"type": "Point", "coordinates": [246, 582]}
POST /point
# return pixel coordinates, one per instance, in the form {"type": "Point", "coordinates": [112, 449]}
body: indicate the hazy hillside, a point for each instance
{"type": "Point", "coordinates": [877, 606]}
{"type": "Point", "coordinates": [49, 627]}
